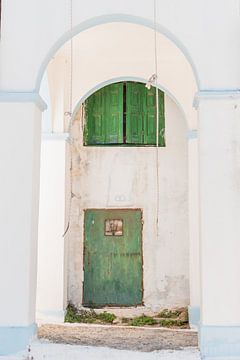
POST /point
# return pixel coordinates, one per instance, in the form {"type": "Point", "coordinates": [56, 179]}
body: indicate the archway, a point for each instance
{"type": "Point", "coordinates": [114, 18]}
{"type": "Point", "coordinates": [172, 86]}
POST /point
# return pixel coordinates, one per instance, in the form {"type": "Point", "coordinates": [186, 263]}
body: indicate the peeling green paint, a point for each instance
{"type": "Point", "coordinates": [112, 264]}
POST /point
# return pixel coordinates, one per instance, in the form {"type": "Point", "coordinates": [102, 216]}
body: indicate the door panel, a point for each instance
{"type": "Point", "coordinates": [113, 258]}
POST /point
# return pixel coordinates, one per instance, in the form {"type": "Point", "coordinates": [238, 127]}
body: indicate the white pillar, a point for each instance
{"type": "Point", "coordinates": [219, 135]}
{"type": "Point", "coordinates": [51, 294]}
{"type": "Point", "coordinates": [19, 186]}
{"type": "Point", "coordinates": [193, 211]}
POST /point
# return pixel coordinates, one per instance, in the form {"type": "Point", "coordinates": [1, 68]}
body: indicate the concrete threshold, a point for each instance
{"type": "Point", "coordinates": [119, 336]}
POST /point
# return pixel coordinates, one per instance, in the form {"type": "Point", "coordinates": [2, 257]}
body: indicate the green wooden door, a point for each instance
{"type": "Point", "coordinates": [112, 258]}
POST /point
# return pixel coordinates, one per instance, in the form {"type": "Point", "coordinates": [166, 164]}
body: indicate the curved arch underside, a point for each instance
{"type": "Point", "coordinates": [120, 51]}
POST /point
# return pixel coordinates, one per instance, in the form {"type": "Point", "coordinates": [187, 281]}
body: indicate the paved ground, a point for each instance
{"type": "Point", "coordinates": [119, 337]}
{"type": "Point", "coordinates": [48, 351]}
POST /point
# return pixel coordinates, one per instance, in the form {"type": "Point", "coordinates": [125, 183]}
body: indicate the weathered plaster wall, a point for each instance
{"type": "Point", "coordinates": [111, 177]}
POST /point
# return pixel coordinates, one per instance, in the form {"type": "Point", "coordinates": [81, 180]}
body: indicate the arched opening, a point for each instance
{"type": "Point", "coordinates": [95, 175]}
{"type": "Point", "coordinates": [124, 114]}
{"type": "Point", "coordinates": [111, 19]}
{"type": "Point", "coordinates": [124, 177]}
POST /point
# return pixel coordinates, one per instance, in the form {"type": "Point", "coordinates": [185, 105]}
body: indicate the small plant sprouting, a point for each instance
{"type": "Point", "coordinates": [74, 315]}
{"type": "Point", "coordinates": [169, 314]}
{"type": "Point", "coordinates": [175, 318]}
{"type": "Point", "coordinates": [142, 321]}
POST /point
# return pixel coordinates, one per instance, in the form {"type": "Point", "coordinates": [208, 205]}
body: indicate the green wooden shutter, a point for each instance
{"type": "Point", "coordinates": [104, 116]}
{"type": "Point", "coordinates": [161, 136]}
{"type": "Point", "coordinates": [134, 116]}
{"type": "Point", "coordinates": [95, 128]}
{"type": "Point", "coordinates": [150, 117]}
{"type": "Point", "coordinates": [113, 114]}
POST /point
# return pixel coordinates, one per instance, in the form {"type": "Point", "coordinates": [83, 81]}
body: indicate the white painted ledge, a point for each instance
{"type": "Point", "coordinates": [23, 97]}
{"type": "Point", "coordinates": [55, 136]}
{"type": "Point", "coordinates": [231, 94]}
{"type": "Point", "coordinates": [192, 135]}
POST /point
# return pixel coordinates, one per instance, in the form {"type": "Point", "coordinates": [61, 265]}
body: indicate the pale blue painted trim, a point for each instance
{"type": "Point", "coordinates": [216, 94]}
{"type": "Point", "coordinates": [23, 97]}
{"type": "Point", "coordinates": [14, 338]}
{"type": "Point", "coordinates": [192, 134]}
{"type": "Point", "coordinates": [111, 18]}
{"type": "Point", "coordinates": [219, 342]}
{"type": "Point", "coordinates": [221, 358]}
{"type": "Point", "coordinates": [126, 78]}
{"type": "Point", "coordinates": [54, 136]}
{"type": "Point", "coordinates": [194, 316]}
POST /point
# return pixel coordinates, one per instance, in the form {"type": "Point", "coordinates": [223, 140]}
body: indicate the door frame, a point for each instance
{"type": "Point", "coordinates": [142, 257]}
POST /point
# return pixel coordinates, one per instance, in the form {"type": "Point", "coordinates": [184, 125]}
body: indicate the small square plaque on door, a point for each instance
{"type": "Point", "coordinates": [113, 227]}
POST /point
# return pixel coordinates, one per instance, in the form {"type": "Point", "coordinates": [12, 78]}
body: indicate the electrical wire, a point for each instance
{"type": "Point", "coordinates": [69, 113]}
{"type": "Point", "coordinates": [157, 117]}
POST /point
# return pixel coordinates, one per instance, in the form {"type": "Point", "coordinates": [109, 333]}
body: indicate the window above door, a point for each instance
{"type": "Point", "coordinates": [124, 114]}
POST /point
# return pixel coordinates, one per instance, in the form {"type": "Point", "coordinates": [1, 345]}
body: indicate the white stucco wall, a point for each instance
{"type": "Point", "coordinates": [18, 245]}
{"type": "Point", "coordinates": [208, 34]}
{"type": "Point", "coordinates": [115, 177]}
{"type": "Point", "coordinates": [27, 45]}
{"type": "Point", "coordinates": [51, 294]}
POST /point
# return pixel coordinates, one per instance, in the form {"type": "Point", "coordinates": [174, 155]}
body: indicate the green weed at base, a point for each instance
{"type": "Point", "coordinates": [142, 321]}
{"type": "Point", "coordinates": [73, 315]}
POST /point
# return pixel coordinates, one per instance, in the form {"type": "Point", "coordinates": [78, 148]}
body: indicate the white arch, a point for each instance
{"type": "Point", "coordinates": [128, 55]}
{"type": "Point", "coordinates": [111, 19]}
{"type": "Point", "coordinates": [126, 78]}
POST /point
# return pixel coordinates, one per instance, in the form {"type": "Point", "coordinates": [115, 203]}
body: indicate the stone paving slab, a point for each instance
{"type": "Point", "coordinates": [119, 337]}
{"type": "Point", "coordinates": [43, 350]}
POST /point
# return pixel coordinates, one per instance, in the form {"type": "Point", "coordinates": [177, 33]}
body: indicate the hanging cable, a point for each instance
{"type": "Point", "coordinates": [157, 116]}
{"type": "Point", "coordinates": [69, 114]}
{"type": "Point", "coordinates": [153, 80]}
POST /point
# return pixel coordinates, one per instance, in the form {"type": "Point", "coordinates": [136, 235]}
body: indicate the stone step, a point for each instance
{"type": "Point", "coordinates": [120, 337]}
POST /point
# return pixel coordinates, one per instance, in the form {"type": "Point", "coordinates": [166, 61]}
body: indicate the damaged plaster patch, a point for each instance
{"type": "Point", "coordinates": [175, 287]}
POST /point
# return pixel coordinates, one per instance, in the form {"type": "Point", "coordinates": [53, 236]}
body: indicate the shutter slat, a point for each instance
{"type": "Point", "coordinates": [134, 116]}
{"type": "Point", "coordinates": [104, 116]}
{"type": "Point", "coordinates": [114, 114]}
{"type": "Point", "coordinates": [150, 117]}
{"type": "Point", "coordinates": [95, 129]}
